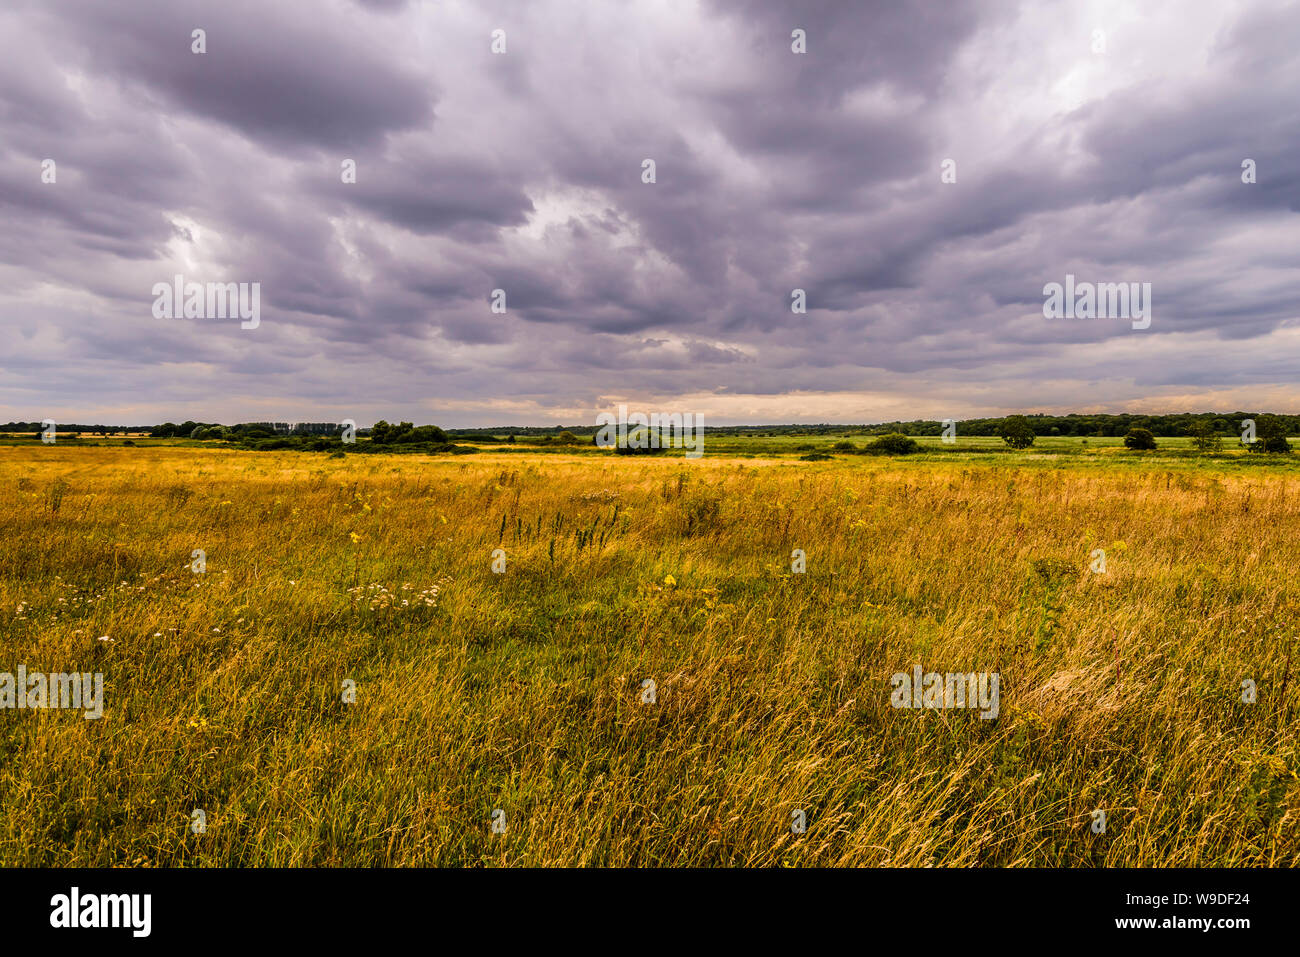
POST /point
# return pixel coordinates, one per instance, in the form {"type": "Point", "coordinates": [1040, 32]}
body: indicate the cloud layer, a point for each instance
{"type": "Point", "coordinates": [1100, 139]}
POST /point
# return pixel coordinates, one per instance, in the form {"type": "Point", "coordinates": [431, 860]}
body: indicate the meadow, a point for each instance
{"type": "Point", "coordinates": [524, 692]}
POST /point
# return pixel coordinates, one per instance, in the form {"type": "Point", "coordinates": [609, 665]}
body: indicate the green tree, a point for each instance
{"type": "Point", "coordinates": [1203, 437]}
{"type": "Point", "coordinates": [423, 433]}
{"type": "Point", "coordinates": [1016, 431]}
{"type": "Point", "coordinates": [894, 443]}
{"type": "Point", "coordinates": [1140, 440]}
{"type": "Point", "coordinates": [1270, 434]}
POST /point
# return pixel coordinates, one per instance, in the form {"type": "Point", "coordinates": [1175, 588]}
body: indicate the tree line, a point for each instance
{"type": "Point", "coordinates": [1182, 424]}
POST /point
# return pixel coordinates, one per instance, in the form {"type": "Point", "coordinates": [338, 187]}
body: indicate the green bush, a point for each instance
{"type": "Point", "coordinates": [895, 443]}
{"type": "Point", "coordinates": [1140, 440]}
{"type": "Point", "coordinates": [1204, 438]}
{"type": "Point", "coordinates": [642, 436]}
{"type": "Point", "coordinates": [1016, 431]}
{"type": "Point", "coordinates": [1271, 435]}
{"type": "Point", "coordinates": [403, 433]}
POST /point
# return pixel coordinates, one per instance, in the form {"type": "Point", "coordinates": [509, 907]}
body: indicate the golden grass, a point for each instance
{"type": "Point", "coordinates": [521, 691]}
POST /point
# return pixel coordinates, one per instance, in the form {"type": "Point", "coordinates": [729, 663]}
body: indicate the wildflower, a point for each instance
{"type": "Point", "coordinates": [669, 580]}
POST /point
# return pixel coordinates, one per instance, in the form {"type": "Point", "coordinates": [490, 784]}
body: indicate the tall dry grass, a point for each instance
{"type": "Point", "coordinates": [522, 691]}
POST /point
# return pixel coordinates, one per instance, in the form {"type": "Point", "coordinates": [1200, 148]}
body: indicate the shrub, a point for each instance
{"type": "Point", "coordinates": [1271, 435]}
{"type": "Point", "coordinates": [1270, 443]}
{"type": "Point", "coordinates": [844, 447]}
{"type": "Point", "coordinates": [1204, 439]}
{"type": "Point", "coordinates": [1016, 431]}
{"type": "Point", "coordinates": [895, 443]}
{"type": "Point", "coordinates": [1140, 440]}
{"type": "Point", "coordinates": [641, 436]}
{"type": "Point", "coordinates": [422, 433]}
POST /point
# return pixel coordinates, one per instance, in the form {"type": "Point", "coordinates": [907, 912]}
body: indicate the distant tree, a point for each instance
{"type": "Point", "coordinates": [642, 441]}
{"type": "Point", "coordinates": [1270, 434]}
{"type": "Point", "coordinates": [1016, 432]}
{"type": "Point", "coordinates": [1140, 440]}
{"type": "Point", "coordinates": [384, 433]}
{"type": "Point", "coordinates": [566, 438]}
{"type": "Point", "coordinates": [1204, 438]}
{"type": "Point", "coordinates": [895, 443]}
{"type": "Point", "coordinates": [424, 433]}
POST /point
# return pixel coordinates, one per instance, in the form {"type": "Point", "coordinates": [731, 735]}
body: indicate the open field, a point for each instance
{"type": "Point", "coordinates": [1172, 452]}
{"type": "Point", "coordinates": [522, 691]}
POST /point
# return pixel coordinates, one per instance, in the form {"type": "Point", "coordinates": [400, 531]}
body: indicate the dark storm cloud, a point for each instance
{"type": "Point", "coordinates": [905, 44]}
{"type": "Point", "coordinates": [434, 195]}
{"type": "Point", "coordinates": [263, 73]}
{"type": "Point", "coordinates": [523, 172]}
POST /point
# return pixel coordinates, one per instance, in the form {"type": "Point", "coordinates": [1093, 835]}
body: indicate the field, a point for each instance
{"type": "Point", "coordinates": [526, 692]}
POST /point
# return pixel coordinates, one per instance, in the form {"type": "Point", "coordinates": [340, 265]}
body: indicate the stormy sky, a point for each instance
{"type": "Point", "coordinates": [1100, 139]}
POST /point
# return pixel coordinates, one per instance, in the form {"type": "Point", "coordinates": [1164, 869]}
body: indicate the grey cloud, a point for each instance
{"type": "Point", "coordinates": [522, 172]}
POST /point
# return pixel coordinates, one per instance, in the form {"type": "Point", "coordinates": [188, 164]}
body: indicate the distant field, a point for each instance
{"type": "Point", "coordinates": [1173, 452]}
{"type": "Point", "coordinates": [524, 692]}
